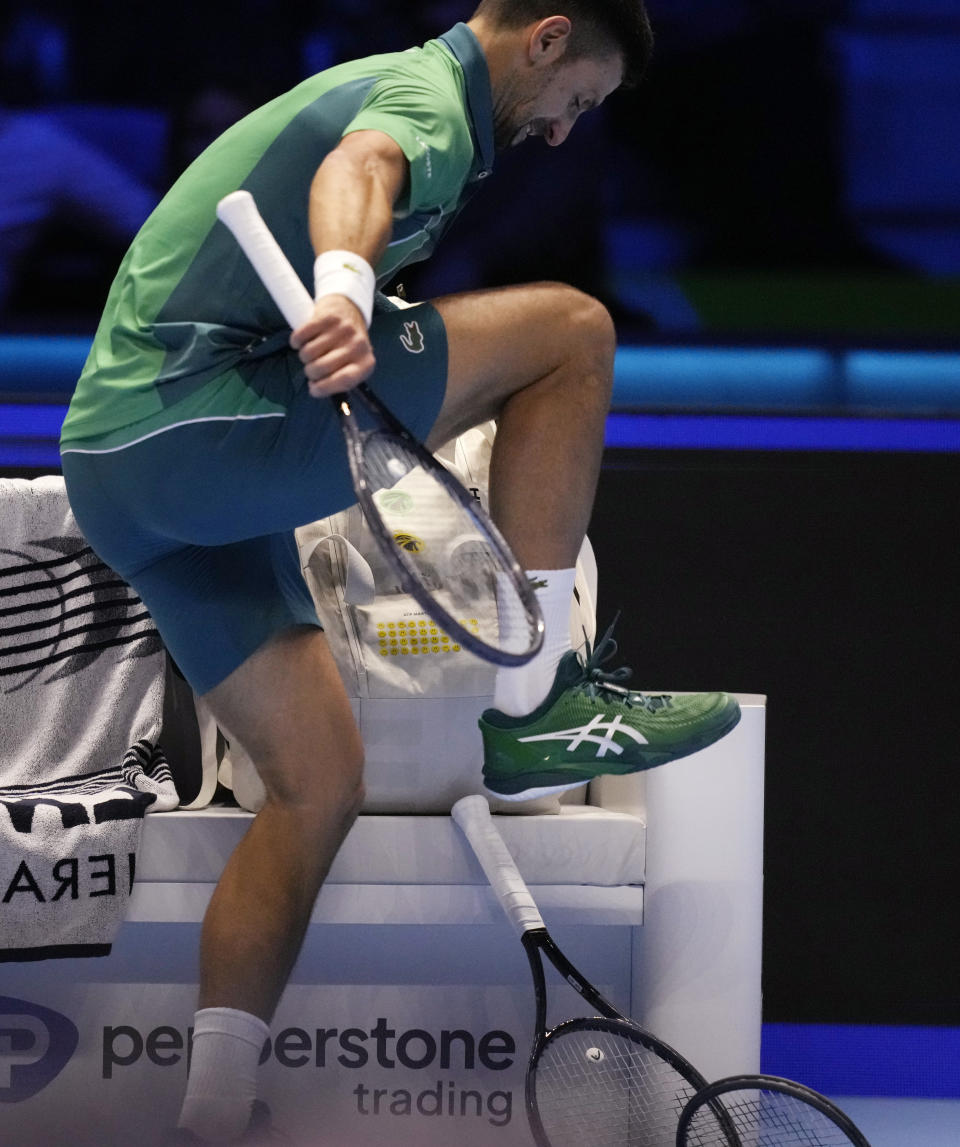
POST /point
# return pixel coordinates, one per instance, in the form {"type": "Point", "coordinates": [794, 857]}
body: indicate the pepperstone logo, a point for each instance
{"type": "Point", "coordinates": [437, 1066]}
{"type": "Point", "coordinates": [36, 1044]}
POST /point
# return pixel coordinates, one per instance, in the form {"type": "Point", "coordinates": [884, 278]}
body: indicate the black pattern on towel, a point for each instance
{"type": "Point", "coordinates": [81, 697]}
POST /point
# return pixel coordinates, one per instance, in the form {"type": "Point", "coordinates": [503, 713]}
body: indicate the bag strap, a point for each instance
{"type": "Point", "coordinates": [358, 583]}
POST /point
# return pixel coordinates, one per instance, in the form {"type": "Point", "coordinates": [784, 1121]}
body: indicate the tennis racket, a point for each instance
{"type": "Point", "coordinates": [765, 1111]}
{"type": "Point", "coordinates": [459, 561]}
{"type": "Point", "coordinates": [597, 1081]}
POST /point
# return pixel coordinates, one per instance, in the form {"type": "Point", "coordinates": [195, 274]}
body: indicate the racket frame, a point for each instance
{"type": "Point", "coordinates": [712, 1097]}
{"type": "Point", "coordinates": [239, 213]}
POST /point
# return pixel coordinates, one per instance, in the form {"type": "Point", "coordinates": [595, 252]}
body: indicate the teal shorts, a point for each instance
{"type": "Point", "coordinates": [199, 518]}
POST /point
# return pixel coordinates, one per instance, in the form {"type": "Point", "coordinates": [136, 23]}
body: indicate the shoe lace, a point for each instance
{"type": "Point", "coordinates": [604, 685]}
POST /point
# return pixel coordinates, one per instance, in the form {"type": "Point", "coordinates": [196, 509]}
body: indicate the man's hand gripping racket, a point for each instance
{"type": "Point", "coordinates": [464, 563]}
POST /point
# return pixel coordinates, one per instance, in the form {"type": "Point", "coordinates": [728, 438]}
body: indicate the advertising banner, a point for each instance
{"type": "Point", "coordinates": [98, 1065]}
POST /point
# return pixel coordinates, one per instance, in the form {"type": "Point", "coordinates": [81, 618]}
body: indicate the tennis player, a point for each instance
{"type": "Point", "coordinates": [200, 436]}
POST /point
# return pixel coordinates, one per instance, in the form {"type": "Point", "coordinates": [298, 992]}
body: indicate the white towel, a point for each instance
{"type": "Point", "coordinates": [81, 702]}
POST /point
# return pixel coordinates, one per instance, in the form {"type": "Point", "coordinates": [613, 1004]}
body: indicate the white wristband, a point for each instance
{"type": "Point", "coordinates": [344, 273]}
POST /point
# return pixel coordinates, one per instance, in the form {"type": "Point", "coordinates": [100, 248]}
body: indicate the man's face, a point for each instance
{"type": "Point", "coordinates": [547, 102]}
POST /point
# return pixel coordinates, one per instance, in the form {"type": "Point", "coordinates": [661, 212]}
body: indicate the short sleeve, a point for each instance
{"type": "Point", "coordinates": [429, 125]}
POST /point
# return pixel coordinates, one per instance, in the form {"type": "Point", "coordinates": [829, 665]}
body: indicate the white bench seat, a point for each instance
{"type": "Point", "coordinates": [585, 864]}
{"type": "Point", "coordinates": [654, 889]}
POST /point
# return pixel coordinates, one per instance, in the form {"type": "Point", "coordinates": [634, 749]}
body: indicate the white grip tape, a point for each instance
{"type": "Point", "coordinates": [472, 816]}
{"type": "Point", "coordinates": [239, 212]}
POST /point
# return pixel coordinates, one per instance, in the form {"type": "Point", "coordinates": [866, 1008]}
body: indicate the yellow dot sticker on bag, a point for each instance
{"type": "Point", "coordinates": [417, 637]}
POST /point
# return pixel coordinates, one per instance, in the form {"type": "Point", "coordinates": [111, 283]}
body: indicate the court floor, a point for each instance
{"type": "Point", "coordinates": [905, 1122]}
{"type": "Point", "coordinates": [899, 1084]}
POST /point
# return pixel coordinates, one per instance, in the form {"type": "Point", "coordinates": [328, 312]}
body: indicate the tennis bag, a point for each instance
{"type": "Point", "coordinates": [416, 695]}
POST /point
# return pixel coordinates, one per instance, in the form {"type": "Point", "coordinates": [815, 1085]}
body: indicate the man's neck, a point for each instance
{"type": "Point", "coordinates": [501, 48]}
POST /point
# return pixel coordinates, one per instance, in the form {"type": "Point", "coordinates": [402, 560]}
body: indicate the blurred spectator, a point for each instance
{"type": "Point", "coordinates": [36, 53]}
{"type": "Point", "coordinates": [51, 175]}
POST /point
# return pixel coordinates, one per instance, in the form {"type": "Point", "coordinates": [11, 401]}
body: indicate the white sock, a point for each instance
{"type": "Point", "coordinates": [518, 691]}
{"type": "Point", "coordinates": [222, 1083]}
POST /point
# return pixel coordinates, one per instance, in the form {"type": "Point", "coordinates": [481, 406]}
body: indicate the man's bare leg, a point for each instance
{"type": "Point", "coordinates": [538, 358]}
{"type": "Point", "coordinates": [287, 706]}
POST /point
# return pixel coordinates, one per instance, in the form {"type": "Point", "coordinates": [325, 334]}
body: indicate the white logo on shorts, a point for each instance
{"type": "Point", "coordinates": [412, 338]}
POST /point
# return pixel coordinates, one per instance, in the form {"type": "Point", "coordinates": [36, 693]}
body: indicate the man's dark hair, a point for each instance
{"type": "Point", "coordinates": [598, 27]}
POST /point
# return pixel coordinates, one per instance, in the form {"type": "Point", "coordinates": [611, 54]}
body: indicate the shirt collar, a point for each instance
{"type": "Point", "coordinates": [465, 47]}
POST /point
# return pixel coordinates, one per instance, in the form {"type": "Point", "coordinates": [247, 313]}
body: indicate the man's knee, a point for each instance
{"type": "Point", "coordinates": [327, 781]}
{"type": "Point", "coordinates": [349, 798]}
{"type": "Point", "coordinates": [352, 791]}
{"type": "Point", "coordinates": [519, 343]}
{"type": "Point", "coordinates": [589, 342]}
{"type": "Point", "coordinates": [591, 324]}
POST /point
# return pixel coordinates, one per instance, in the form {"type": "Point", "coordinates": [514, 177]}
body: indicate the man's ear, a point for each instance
{"type": "Point", "coordinates": [548, 40]}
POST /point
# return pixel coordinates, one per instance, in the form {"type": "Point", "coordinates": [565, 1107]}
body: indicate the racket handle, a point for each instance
{"type": "Point", "coordinates": [239, 212]}
{"type": "Point", "coordinates": [472, 816]}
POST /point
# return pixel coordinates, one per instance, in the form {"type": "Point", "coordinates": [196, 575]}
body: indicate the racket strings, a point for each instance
{"type": "Point", "coordinates": [444, 546]}
{"type": "Point", "coordinates": [764, 1119]}
{"type": "Point", "coordinates": [607, 1090]}
{"type": "Point", "coordinates": [386, 462]}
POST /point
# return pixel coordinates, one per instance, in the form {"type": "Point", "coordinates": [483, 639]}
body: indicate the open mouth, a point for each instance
{"type": "Point", "coordinates": [528, 130]}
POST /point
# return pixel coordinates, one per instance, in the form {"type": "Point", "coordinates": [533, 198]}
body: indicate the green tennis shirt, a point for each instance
{"type": "Point", "coordinates": [187, 317]}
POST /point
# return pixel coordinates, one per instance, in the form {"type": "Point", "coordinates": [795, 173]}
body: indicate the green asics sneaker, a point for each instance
{"type": "Point", "coordinates": [589, 724]}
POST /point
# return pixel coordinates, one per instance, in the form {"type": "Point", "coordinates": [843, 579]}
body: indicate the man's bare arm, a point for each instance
{"type": "Point", "coordinates": [353, 193]}
{"type": "Point", "coordinates": [351, 209]}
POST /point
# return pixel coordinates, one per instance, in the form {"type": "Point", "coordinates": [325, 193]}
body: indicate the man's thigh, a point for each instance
{"type": "Point", "coordinates": [287, 706]}
{"type": "Point", "coordinates": [500, 341]}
